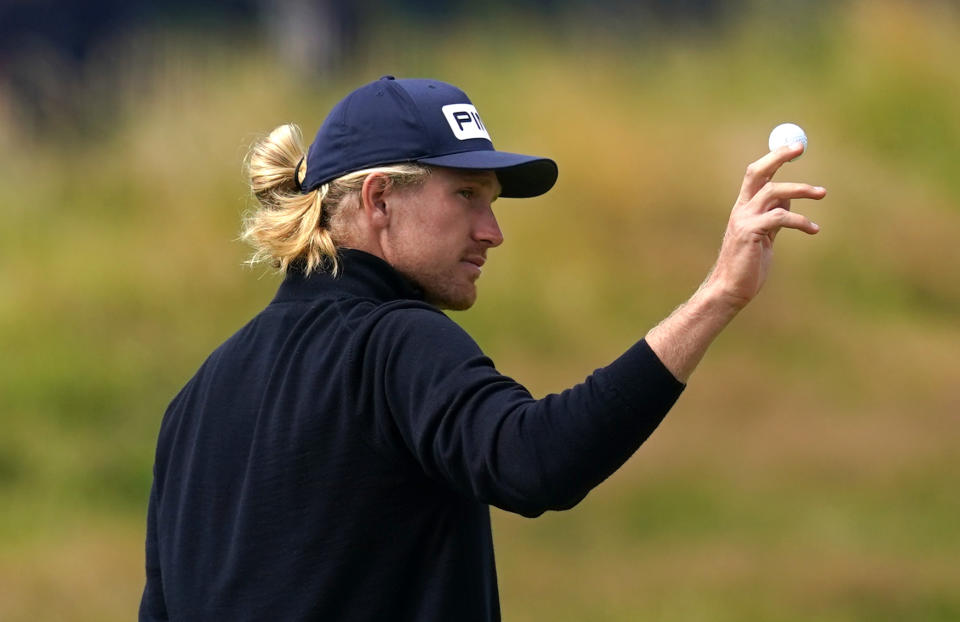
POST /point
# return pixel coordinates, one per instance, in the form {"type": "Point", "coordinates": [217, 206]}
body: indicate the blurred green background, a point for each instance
{"type": "Point", "coordinates": [810, 469]}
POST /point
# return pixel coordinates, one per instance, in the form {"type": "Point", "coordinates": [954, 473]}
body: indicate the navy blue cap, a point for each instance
{"type": "Point", "coordinates": [416, 120]}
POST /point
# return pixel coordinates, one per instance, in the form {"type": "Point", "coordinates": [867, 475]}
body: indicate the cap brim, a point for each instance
{"type": "Point", "coordinates": [521, 176]}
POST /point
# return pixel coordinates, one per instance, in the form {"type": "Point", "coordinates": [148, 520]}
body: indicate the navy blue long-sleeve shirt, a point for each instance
{"type": "Point", "coordinates": [335, 459]}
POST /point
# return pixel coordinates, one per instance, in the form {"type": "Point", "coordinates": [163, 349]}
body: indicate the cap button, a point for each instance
{"type": "Point", "coordinates": [387, 77]}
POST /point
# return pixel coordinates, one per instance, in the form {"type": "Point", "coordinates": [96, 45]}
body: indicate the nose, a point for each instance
{"type": "Point", "coordinates": [487, 229]}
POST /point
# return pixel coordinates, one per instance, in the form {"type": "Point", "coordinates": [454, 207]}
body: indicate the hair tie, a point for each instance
{"type": "Point", "coordinates": [296, 175]}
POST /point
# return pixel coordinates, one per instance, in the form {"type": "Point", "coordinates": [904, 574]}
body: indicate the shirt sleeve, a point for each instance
{"type": "Point", "coordinates": [440, 399]}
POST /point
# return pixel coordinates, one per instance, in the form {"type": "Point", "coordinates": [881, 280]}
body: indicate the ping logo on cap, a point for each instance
{"type": "Point", "coordinates": [465, 121]}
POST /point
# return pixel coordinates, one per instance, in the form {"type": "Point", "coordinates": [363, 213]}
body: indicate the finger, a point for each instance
{"type": "Point", "coordinates": [761, 171]}
{"type": "Point", "coordinates": [780, 218]}
{"type": "Point", "coordinates": [777, 194]}
{"type": "Point", "coordinates": [785, 205]}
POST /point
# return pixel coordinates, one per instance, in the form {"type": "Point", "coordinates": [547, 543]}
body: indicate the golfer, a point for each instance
{"type": "Point", "coordinates": [335, 459]}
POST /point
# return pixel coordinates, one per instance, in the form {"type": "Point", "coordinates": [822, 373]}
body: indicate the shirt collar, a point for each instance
{"type": "Point", "coordinates": [361, 274]}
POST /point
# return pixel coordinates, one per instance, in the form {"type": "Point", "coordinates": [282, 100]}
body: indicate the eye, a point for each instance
{"type": "Point", "coordinates": [466, 193]}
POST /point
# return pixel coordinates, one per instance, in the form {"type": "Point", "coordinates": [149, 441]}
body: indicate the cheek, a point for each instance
{"type": "Point", "coordinates": [415, 248]}
{"type": "Point", "coordinates": [436, 232]}
{"type": "Point", "coordinates": [406, 228]}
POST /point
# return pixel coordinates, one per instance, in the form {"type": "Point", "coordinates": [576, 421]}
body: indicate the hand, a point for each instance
{"type": "Point", "coordinates": [761, 210]}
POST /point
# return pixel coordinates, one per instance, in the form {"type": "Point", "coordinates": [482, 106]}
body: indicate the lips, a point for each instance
{"type": "Point", "coordinates": [474, 264]}
{"type": "Point", "coordinates": [476, 260]}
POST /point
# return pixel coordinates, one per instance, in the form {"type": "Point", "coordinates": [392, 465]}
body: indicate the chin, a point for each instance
{"type": "Point", "coordinates": [452, 301]}
{"type": "Point", "coordinates": [460, 305]}
{"type": "Point", "coordinates": [447, 304]}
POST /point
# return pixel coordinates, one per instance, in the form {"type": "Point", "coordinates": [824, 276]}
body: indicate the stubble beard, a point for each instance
{"type": "Point", "coordinates": [446, 292]}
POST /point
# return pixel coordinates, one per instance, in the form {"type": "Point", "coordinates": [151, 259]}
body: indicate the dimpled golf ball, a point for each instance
{"type": "Point", "coordinates": [787, 134]}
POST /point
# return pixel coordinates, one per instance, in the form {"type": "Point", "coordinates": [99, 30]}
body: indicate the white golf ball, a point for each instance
{"type": "Point", "coordinates": [787, 134]}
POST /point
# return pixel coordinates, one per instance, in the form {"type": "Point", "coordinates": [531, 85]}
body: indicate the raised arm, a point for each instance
{"type": "Point", "coordinates": [761, 210]}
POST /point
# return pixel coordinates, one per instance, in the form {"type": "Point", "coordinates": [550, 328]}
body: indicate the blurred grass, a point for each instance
{"type": "Point", "coordinates": [809, 471]}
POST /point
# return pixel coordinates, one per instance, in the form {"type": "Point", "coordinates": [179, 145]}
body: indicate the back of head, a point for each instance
{"type": "Point", "coordinates": [293, 229]}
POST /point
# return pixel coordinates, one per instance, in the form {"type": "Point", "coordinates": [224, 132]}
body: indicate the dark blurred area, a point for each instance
{"type": "Point", "coordinates": [64, 62]}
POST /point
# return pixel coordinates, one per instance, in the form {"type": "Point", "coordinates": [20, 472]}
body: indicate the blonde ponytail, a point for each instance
{"type": "Point", "coordinates": [291, 227]}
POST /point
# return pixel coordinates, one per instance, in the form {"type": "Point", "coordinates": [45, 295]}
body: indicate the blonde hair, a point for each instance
{"type": "Point", "coordinates": [304, 229]}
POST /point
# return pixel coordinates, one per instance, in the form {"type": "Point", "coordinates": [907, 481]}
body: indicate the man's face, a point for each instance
{"type": "Point", "coordinates": [440, 232]}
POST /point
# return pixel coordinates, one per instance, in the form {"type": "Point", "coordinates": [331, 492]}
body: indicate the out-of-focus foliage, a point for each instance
{"type": "Point", "coordinates": [809, 471]}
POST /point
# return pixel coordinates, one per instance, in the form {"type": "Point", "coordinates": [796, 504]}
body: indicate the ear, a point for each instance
{"type": "Point", "coordinates": [373, 200]}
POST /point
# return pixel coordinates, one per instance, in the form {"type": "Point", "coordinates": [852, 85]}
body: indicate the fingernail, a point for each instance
{"type": "Point", "coordinates": [816, 227]}
{"type": "Point", "coordinates": [796, 144]}
{"type": "Point", "coordinates": [819, 188]}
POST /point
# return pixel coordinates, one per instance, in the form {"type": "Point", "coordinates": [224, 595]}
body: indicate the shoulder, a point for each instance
{"type": "Point", "coordinates": [406, 324]}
